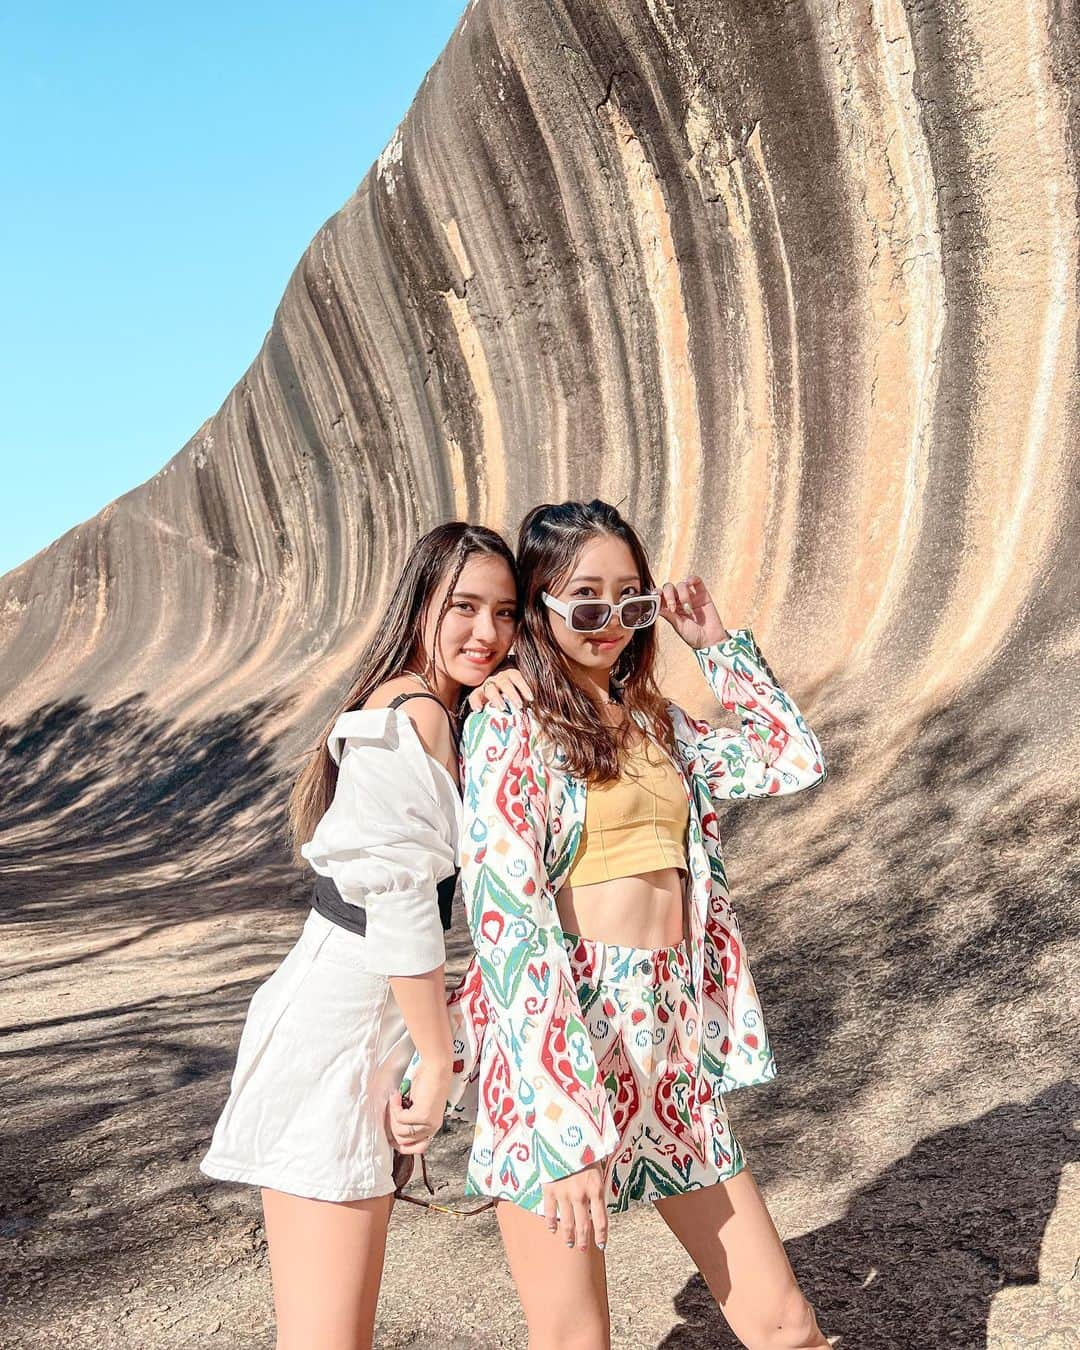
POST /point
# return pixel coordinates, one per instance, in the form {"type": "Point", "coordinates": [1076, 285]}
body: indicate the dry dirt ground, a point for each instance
{"type": "Point", "coordinates": [918, 1151]}
{"type": "Point", "coordinates": [963, 1236]}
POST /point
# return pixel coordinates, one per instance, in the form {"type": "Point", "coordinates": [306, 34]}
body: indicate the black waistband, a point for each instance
{"type": "Point", "coordinates": [326, 900]}
{"type": "Point", "coordinates": [444, 893]}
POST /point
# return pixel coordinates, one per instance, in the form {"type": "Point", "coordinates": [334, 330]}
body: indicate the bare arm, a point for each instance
{"type": "Point", "coordinates": [421, 994]}
{"type": "Point", "coordinates": [422, 999]}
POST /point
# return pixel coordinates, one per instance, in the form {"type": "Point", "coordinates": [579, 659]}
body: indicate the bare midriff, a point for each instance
{"type": "Point", "coordinates": [647, 910]}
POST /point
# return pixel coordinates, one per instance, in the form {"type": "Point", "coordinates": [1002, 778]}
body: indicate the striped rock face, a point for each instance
{"type": "Point", "coordinates": [799, 289]}
{"type": "Point", "coordinates": [797, 286]}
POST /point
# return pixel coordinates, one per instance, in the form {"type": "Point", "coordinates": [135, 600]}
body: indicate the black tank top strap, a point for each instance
{"type": "Point", "coordinates": [404, 698]}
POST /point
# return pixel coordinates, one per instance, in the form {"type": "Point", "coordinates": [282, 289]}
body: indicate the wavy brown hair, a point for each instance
{"type": "Point", "coordinates": [549, 542]}
{"type": "Point", "coordinates": [396, 647]}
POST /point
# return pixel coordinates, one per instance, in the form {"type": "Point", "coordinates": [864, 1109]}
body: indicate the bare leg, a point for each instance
{"type": "Point", "coordinates": [326, 1261]}
{"type": "Point", "coordinates": [732, 1240]}
{"type": "Point", "coordinates": [563, 1291]}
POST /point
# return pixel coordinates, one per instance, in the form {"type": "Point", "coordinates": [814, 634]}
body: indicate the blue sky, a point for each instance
{"type": "Point", "coordinates": [163, 171]}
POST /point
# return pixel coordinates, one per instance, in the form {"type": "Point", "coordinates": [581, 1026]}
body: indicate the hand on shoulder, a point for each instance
{"type": "Point", "coordinates": [506, 689]}
{"type": "Point", "coordinates": [498, 717]}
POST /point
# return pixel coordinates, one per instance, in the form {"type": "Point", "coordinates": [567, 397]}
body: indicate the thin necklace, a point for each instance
{"type": "Point", "coordinates": [419, 675]}
{"type": "Point", "coordinates": [455, 715]}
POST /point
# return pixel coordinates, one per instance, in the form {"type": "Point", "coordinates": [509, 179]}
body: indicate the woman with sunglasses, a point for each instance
{"type": "Point", "coordinates": [610, 1005]}
{"type": "Point", "coordinates": [376, 813]}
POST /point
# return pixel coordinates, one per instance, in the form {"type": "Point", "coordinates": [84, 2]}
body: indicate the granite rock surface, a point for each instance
{"type": "Point", "coordinates": [796, 284]}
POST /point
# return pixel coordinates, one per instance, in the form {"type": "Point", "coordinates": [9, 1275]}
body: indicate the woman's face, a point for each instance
{"type": "Point", "coordinates": [479, 623]}
{"type": "Point", "coordinates": [604, 570]}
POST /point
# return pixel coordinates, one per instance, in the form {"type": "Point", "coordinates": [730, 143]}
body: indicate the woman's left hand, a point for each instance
{"type": "Point", "coordinates": [507, 690]}
{"type": "Point", "coordinates": [412, 1124]}
{"type": "Point", "coordinates": [688, 607]}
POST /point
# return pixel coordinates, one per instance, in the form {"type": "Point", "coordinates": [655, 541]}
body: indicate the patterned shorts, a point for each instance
{"type": "Point", "coordinates": [638, 1005]}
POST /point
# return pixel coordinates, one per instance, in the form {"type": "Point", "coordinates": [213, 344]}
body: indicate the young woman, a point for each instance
{"type": "Point", "coordinates": [376, 812]}
{"type": "Point", "coordinates": [610, 1005]}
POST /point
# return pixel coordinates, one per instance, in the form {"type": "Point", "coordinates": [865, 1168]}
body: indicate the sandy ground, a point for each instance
{"type": "Point", "coordinates": [113, 1238]}
{"type": "Point", "coordinates": [913, 939]}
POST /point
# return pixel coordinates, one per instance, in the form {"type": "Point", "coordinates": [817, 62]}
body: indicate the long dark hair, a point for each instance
{"type": "Point", "coordinates": [394, 648]}
{"type": "Point", "coordinates": [549, 541]}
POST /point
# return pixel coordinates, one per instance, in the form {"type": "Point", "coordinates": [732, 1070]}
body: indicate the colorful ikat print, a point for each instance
{"type": "Point", "coordinates": [525, 1060]}
{"type": "Point", "coordinates": [640, 1010]}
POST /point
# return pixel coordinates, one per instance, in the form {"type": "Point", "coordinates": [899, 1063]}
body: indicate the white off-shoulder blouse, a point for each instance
{"type": "Point", "coordinates": [389, 836]}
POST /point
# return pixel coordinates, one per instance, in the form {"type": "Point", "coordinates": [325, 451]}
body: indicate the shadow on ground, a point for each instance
{"type": "Point", "coordinates": [906, 923]}
{"type": "Point", "coordinates": [923, 1249]}
{"type": "Point", "coordinates": [130, 813]}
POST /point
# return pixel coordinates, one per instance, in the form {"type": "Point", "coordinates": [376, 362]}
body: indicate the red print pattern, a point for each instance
{"type": "Point", "coordinates": [535, 1035]}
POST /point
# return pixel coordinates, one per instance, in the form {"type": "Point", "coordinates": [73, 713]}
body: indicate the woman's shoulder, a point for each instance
{"type": "Point", "coordinates": [384, 694]}
{"type": "Point", "coordinates": [428, 715]}
{"type": "Point", "coordinates": [381, 756]}
{"type": "Point", "coordinates": [497, 720]}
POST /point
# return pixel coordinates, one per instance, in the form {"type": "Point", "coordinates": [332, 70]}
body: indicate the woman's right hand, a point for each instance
{"type": "Point", "coordinates": [689, 608]}
{"type": "Point", "coordinates": [575, 1204]}
{"type": "Point", "coordinates": [507, 690]}
{"type": "Point", "coordinates": [417, 1119]}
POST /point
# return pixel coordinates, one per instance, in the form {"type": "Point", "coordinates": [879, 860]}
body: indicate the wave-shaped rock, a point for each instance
{"type": "Point", "coordinates": [797, 285]}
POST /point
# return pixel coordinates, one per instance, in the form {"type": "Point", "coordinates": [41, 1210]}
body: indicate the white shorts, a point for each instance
{"type": "Point", "coordinates": [323, 1048]}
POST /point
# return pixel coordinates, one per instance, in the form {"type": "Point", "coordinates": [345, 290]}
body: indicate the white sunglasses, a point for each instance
{"type": "Point", "coordinates": [590, 616]}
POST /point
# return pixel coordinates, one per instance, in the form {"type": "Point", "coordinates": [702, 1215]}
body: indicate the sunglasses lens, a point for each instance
{"type": "Point", "coordinates": [590, 618]}
{"type": "Point", "coordinates": [639, 613]}
{"type": "Point", "coordinates": [402, 1169]}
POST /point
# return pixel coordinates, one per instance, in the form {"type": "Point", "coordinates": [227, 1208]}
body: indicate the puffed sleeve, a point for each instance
{"type": "Point", "coordinates": [775, 752]}
{"type": "Point", "coordinates": [552, 1085]}
{"type": "Point", "coordinates": [386, 840]}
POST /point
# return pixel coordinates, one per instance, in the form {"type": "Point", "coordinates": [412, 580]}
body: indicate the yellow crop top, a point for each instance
{"type": "Point", "coordinates": [635, 824]}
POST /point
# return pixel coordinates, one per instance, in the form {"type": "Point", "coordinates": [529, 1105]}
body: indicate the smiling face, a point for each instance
{"type": "Point", "coordinates": [479, 624]}
{"type": "Point", "coordinates": [603, 570]}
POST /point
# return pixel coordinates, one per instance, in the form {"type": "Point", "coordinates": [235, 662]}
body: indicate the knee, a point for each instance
{"type": "Point", "coordinates": [793, 1325]}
